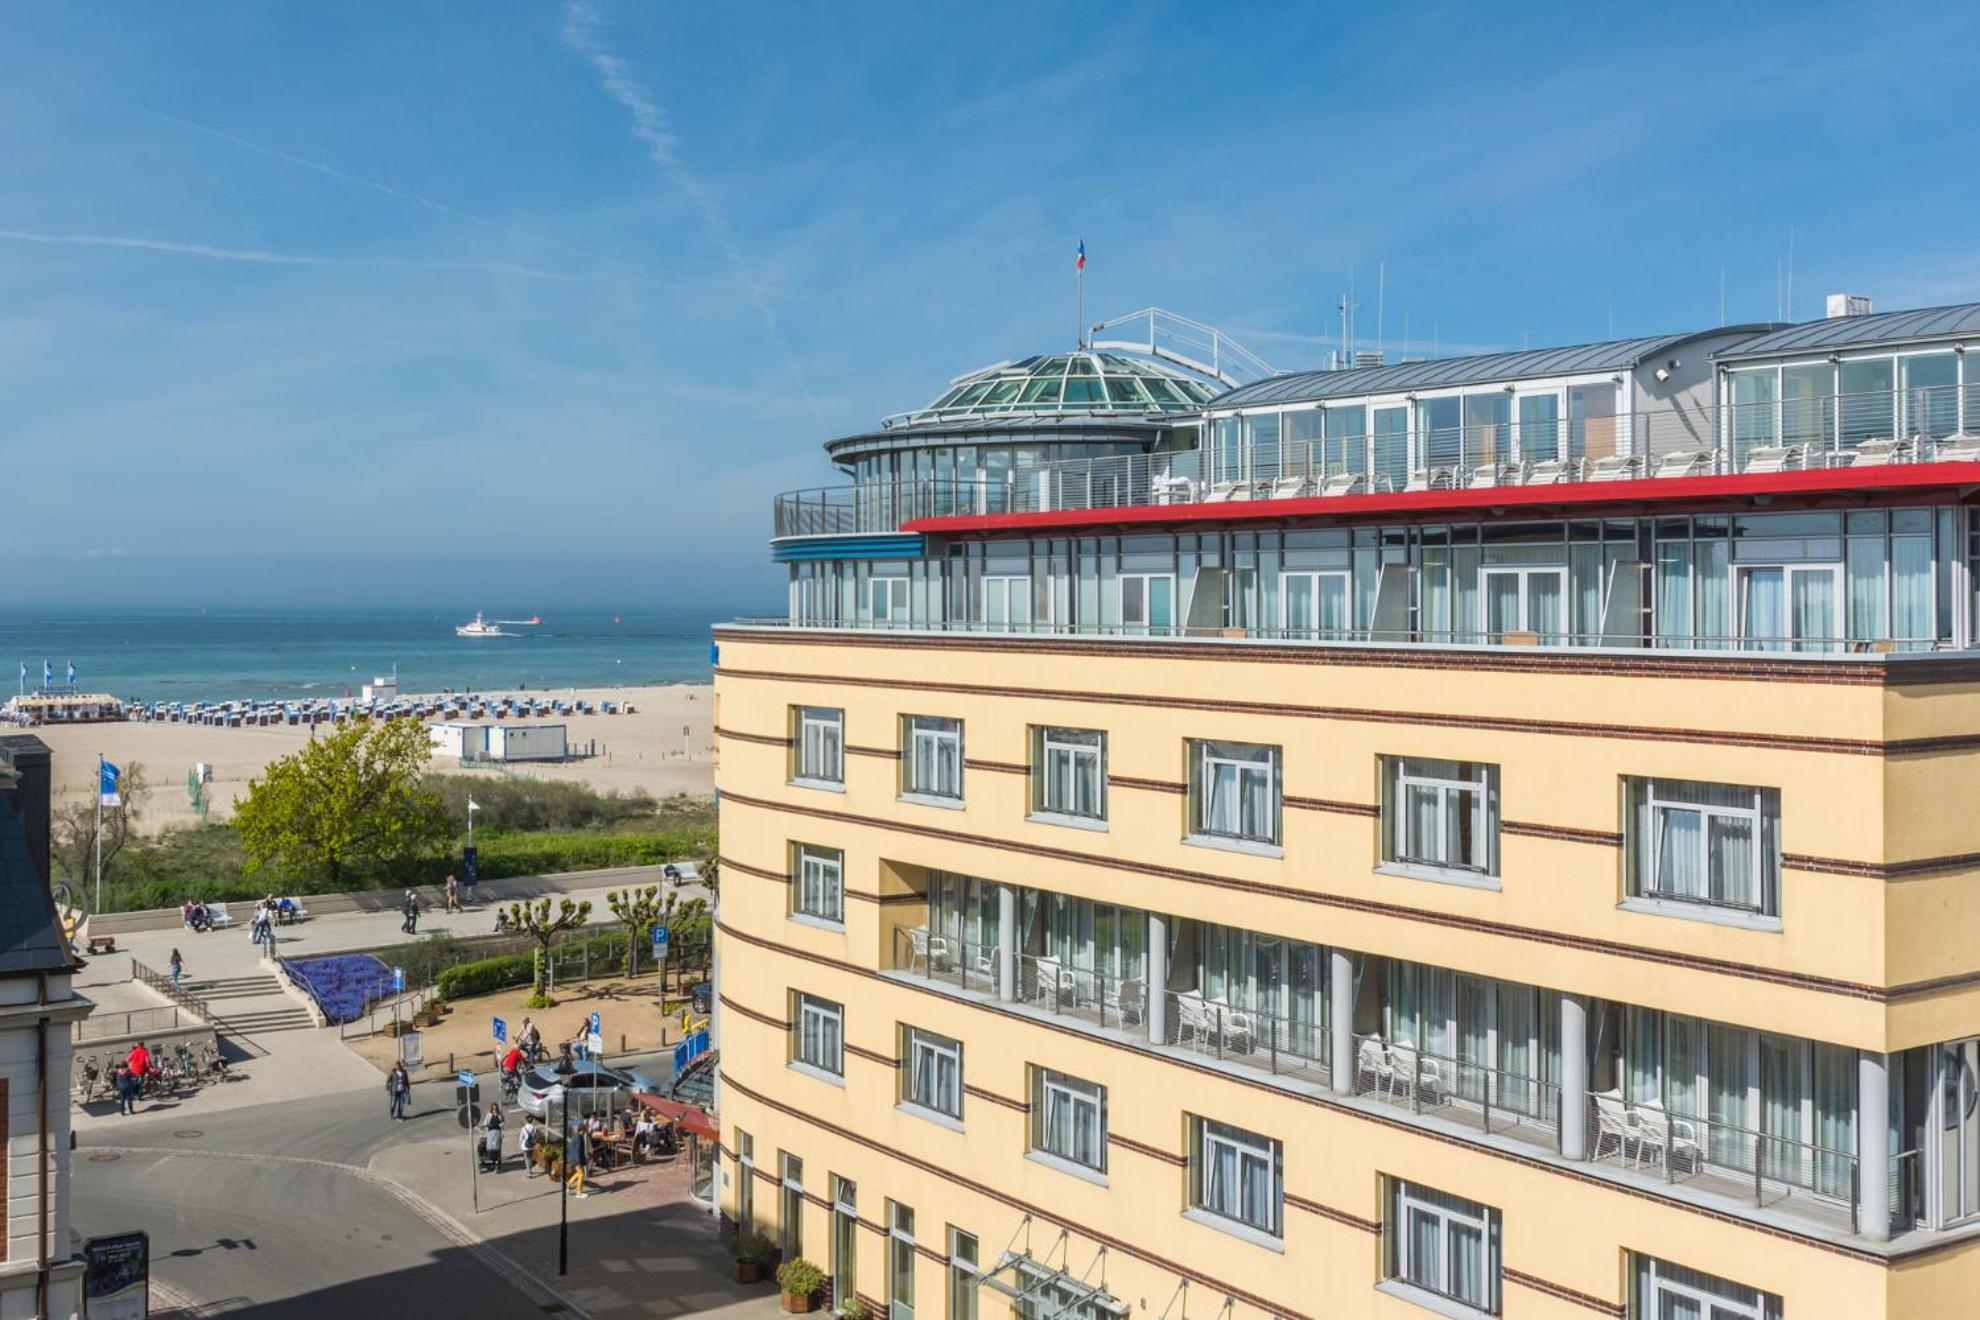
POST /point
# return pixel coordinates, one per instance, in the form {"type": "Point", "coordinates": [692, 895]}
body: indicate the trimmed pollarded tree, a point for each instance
{"type": "Point", "coordinates": [536, 921]}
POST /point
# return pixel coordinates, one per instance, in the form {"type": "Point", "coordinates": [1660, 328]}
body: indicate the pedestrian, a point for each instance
{"type": "Point", "coordinates": [577, 1154]}
{"type": "Point", "coordinates": [452, 889]}
{"type": "Point", "coordinates": [398, 1085]}
{"type": "Point", "coordinates": [126, 1093]}
{"type": "Point", "coordinates": [411, 926]}
{"type": "Point", "coordinates": [529, 1138]}
{"type": "Point", "coordinates": [178, 968]}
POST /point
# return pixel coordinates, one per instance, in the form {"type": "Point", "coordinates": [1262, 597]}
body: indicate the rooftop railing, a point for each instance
{"type": "Point", "coordinates": [1834, 432]}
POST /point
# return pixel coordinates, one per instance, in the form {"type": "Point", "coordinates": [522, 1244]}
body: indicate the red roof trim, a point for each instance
{"type": "Point", "coordinates": [1944, 478]}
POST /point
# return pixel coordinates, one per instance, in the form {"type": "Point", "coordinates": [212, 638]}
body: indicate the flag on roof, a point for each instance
{"type": "Point", "coordinates": [1079, 263]}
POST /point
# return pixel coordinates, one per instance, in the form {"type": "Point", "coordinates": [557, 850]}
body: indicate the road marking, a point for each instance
{"type": "Point", "coordinates": [492, 1258]}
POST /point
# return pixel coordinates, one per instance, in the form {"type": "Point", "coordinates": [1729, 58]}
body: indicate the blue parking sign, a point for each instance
{"type": "Point", "coordinates": [659, 941]}
{"type": "Point", "coordinates": [594, 1024]}
{"type": "Point", "coordinates": [501, 1030]}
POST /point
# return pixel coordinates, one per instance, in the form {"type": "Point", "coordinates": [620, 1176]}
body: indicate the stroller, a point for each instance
{"type": "Point", "coordinates": [488, 1151]}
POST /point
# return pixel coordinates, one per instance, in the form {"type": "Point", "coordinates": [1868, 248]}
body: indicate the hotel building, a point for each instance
{"type": "Point", "coordinates": [1476, 837]}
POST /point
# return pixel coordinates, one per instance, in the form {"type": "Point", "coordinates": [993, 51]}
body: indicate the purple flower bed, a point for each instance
{"type": "Point", "coordinates": [342, 984]}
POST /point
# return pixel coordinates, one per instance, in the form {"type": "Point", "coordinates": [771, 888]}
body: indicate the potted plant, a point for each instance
{"type": "Point", "coordinates": [754, 1252]}
{"type": "Point", "coordinates": [853, 1309]}
{"type": "Point", "coordinates": [800, 1281]}
{"type": "Point", "coordinates": [551, 1155]}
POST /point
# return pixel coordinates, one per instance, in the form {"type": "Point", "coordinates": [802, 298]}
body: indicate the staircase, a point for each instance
{"type": "Point", "coordinates": [250, 1005]}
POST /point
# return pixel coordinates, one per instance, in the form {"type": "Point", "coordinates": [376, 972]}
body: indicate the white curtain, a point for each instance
{"type": "Point", "coordinates": [1911, 588]}
{"type": "Point", "coordinates": [1760, 618]}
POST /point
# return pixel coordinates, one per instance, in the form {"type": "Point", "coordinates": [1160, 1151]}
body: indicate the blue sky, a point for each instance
{"type": "Point", "coordinates": [442, 303]}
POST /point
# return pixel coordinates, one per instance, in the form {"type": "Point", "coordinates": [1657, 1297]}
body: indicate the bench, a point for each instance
{"type": "Point", "coordinates": [102, 944]}
{"type": "Point", "coordinates": [217, 914]}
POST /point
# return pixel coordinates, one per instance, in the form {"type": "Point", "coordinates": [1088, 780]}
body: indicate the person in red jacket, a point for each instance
{"type": "Point", "coordinates": [140, 1060]}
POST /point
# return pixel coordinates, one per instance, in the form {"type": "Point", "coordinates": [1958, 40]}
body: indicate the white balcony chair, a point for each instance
{"type": "Point", "coordinates": [1429, 479]}
{"type": "Point", "coordinates": [1611, 1124]}
{"type": "Point", "coordinates": [1192, 1022]}
{"type": "Point", "coordinates": [1128, 999]}
{"type": "Point", "coordinates": [1548, 471]}
{"type": "Point", "coordinates": [1342, 483]}
{"type": "Point", "coordinates": [1614, 467]}
{"type": "Point", "coordinates": [1775, 458]}
{"type": "Point", "coordinates": [1371, 1060]}
{"type": "Point", "coordinates": [1286, 488]}
{"type": "Point", "coordinates": [1684, 463]}
{"type": "Point", "coordinates": [1221, 491]}
{"type": "Point", "coordinates": [1881, 452]}
{"type": "Point", "coordinates": [1660, 1138]}
{"type": "Point", "coordinates": [1959, 448]}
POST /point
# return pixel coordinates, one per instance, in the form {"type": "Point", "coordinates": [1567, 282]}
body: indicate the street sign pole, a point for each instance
{"type": "Point", "coordinates": [470, 1105]}
{"type": "Point", "coordinates": [564, 1190]}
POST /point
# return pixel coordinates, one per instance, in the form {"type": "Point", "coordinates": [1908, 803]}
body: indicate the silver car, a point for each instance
{"type": "Point", "coordinates": [595, 1089]}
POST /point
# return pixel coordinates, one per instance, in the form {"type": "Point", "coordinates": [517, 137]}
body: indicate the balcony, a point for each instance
{"type": "Point", "coordinates": [1778, 1178]}
{"type": "Point", "coordinates": [1835, 443]}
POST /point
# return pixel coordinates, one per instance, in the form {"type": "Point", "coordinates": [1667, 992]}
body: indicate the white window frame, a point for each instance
{"type": "Point", "coordinates": [1081, 757]}
{"type": "Point", "coordinates": [1008, 588]}
{"type": "Point", "coordinates": [1145, 625]}
{"type": "Point", "coordinates": [923, 734]}
{"type": "Point", "coordinates": [1762, 818]}
{"type": "Point", "coordinates": [1651, 1286]}
{"type": "Point", "coordinates": [965, 1274]}
{"type": "Point", "coordinates": [1521, 441]}
{"type": "Point", "coordinates": [818, 883]}
{"type": "Point", "coordinates": [818, 1034]}
{"type": "Point", "coordinates": [1315, 580]}
{"type": "Point", "coordinates": [1204, 760]}
{"type": "Point", "coordinates": [790, 1204]}
{"type": "Point", "coordinates": [932, 1072]}
{"type": "Point", "coordinates": [1409, 1199]}
{"type": "Point", "coordinates": [1524, 574]}
{"type": "Point", "coordinates": [900, 1252]}
{"type": "Point", "coordinates": [1256, 1155]}
{"type": "Point", "coordinates": [1787, 640]}
{"type": "Point", "coordinates": [1086, 1103]}
{"type": "Point", "coordinates": [1399, 849]}
{"type": "Point", "coordinates": [821, 745]}
{"type": "Point", "coordinates": [887, 602]}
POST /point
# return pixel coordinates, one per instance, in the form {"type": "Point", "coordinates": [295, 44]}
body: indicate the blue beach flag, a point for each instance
{"type": "Point", "coordinates": [108, 776]}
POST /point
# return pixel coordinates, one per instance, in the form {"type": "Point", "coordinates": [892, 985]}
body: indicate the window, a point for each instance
{"type": "Point", "coordinates": [890, 602]}
{"type": "Point", "coordinates": [1069, 772]}
{"type": "Point", "coordinates": [745, 1183]}
{"type": "Point", "coordinates": [1443, 1245]}
{"type": "Point", "coordinates": [1526, 599]}
{"type": "Point", "coordinates": [1315, 604]}
{"type": "Point", "coordinates": [1237, 1175]}
{"type": "Point", "coordinates": [1785, 607]}
{"type": "Point", "coordinates": [1069, 1118]}
{"type": "Point", "coordinates": [1713, 845]}
{"type": "Point", "coordinates": [1007, 603]}
{"type": "Point", "coordinates": [818, 888]}
{"type": "Point", "coordinates": [1443, 815]}
{"type": "Point", "coordinates": [821, 744]}
{"type": "Point", "coordinates": [1660, 1290]}
{"type": "Point", "coordinates": [820, 1032]}
{"type": "Point", "coordinates": [932, 756]}
{"type": "Point", "coordinates": [791, 1208]}
{"type": "Point", "coordinates": [1234, 791]}
{"type": "Point", "coordinates": [931, 1074]}
{"type": "Point", "coordinates": [845, 1237]}
{"type": "Point", "coordinates": [900, 1262]}
{"type": "Point", "coordinates": [964, 1275]}
{"type": "Point", "coordinates": [1148, 602]}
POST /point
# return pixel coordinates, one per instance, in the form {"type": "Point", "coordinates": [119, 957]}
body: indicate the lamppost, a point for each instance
{"type": "Point", "coordinates": [564, 1183]}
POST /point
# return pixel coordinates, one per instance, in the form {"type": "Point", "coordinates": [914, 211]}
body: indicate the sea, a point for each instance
{"type": "Point", "coordinates": [215, 654]}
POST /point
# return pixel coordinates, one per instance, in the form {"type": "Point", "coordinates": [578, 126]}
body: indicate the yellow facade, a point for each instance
{"type": "Point", "coordinates": [1870, 952]}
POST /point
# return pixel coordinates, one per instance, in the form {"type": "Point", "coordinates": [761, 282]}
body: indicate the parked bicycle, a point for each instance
{"type": "Point", "coordinates": [213, 1063]}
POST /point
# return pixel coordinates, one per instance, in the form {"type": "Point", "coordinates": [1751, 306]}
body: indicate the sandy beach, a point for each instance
{"type": "Point", "coordinates": [644, 750]}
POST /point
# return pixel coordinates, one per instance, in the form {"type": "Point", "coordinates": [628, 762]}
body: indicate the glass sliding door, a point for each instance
{"type": "Point", "coordinates": [1868, 402]}
{"type": "Point", "coordinates": [1539, 428]}
{"type": "Point", "coordinates": [1808, 409]}
{"type": "Point", "coordinates": [1794, 607]}
{"type": "Point", "coordinates": [1392, 462]}
{"type": "Point", "coordinates": [1315, 604]}
{"type": "Point", "coordinates": [1591, 421]}
{"type": "Point", "coordinates": [1526, 600]}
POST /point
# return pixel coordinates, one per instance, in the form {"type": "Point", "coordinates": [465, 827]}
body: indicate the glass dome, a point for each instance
{"type": "Point", "coordinates": [1083, 382]}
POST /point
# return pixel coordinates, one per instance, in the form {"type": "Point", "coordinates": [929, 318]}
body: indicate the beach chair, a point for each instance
{"type": "Point", "coordinates": [1614, 467]}
{"type": "Point", "coordinates": [1342, 483]}
{"type": "Point", "coordinates": [1774, 458]}
{"type": "Point", "coordinates": [1286, 488]}
{"type": "Point", "coordinates": [1881, 452]}
{"type": "Point", "coordinates": [1220, 491]}
{"type": "Point", "coordinates": [1684, 463]}
{"type": "Point", "coordinates": [1959, 448]}
{"type": "Point", "coordinates": [1429, 479]}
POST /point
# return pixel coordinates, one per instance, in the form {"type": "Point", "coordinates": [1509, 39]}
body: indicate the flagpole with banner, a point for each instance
{"type": "Point", "coordinates": [1079, 297]}
{"type": "Point", "coordinates": [108, 784]}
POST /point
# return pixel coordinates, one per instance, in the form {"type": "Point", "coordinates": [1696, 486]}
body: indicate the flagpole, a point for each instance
{"type": "Point", "coordinates": [99, 831]}
{"type": "Point", "coordinates": [1079, 299]}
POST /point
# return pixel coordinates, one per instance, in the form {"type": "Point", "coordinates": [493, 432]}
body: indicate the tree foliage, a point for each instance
{"type": "Point", "coordinates": [536, 921]}
{"type": "Point", "coordinates": [640, 910]}
{"type": "Point", "coordinates": [72, 826]}
{"type": "Point", "coordinates": [345, 804]}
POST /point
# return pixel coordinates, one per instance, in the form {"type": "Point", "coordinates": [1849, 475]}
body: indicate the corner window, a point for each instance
{"type": "Point", "coordinates": [1069, 1118]}
{"type": "Point", "coordinates": [932, 756]}
{"type": "Point", "coordinates": [1441, 815]}
{"type": "Point", "coordinates": [1148, 603]}
{"type": "Point", "coordinates": [1237, 1175]}
{"type": "Point", "coordinates": [818, 882]}
{"type": "Point", "coordinates": [1069, 772]}
{"type": "Point", "coordinates": [1660, 1290]}
{"type": "Point", "coordinates": [820, 744]}
{"type": "Point", "coordinates": [931, 1071]}
{"type": "Point", "coordinates": [818, 1034]}
{"type": "Point", "coordinates": [1442, 1245]}
{"type": "Point", "coordinates": [1712, 846]}
{"type": "Point", "coordinates": [1234, 791]}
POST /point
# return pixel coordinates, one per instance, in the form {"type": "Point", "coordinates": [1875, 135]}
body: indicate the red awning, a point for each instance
{"type": "Point", "coordinates": [688, 1118]}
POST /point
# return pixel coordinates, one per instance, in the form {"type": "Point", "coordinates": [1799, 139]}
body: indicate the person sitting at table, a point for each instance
{"type": "Point", "coordinates": [643, 1134]}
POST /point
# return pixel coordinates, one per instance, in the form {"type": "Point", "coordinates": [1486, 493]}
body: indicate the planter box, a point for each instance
{"type": "Point", "coordinates": [749, 1271]}
{"type": "Point", "coordinates": [799, 1303]}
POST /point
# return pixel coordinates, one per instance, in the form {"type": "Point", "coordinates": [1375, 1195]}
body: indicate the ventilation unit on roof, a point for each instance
{"type": "Point", "coordinates": [1848, 304]}
{"type": "Point", "coordinates": [1368, 357]}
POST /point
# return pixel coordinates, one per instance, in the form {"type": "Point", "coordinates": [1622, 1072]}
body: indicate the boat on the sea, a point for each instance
{"type": "Point", "coordinates": [480, 627]}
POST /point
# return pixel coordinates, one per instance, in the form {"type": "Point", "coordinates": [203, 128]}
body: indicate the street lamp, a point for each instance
{"type": "Point", "coordinates": [564, 1071]}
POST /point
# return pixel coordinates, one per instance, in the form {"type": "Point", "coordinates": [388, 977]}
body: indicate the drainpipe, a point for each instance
{"type": "Point", "coordinates": [41, 1135]}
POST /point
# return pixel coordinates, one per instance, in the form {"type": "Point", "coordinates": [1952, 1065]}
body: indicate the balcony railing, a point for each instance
{"type": "Point", "coordinates": [1283, 1046]}
{"type": "Point", "coordinates": [1846, 432]}
{"type": "Point", "coordinates": [1460, 1090]}
{"type": "Point", "coordinates": [1763, 1167]}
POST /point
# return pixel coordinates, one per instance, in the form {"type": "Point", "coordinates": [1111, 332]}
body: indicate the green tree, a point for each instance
{"type": "Point", "coordinates": [535, 921]}
{"type": "Point", "coordinates": [643, 909]}
{"type": "Point", "coordinates": [347, 805]}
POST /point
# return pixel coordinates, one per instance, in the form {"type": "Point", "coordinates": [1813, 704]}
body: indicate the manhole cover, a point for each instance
{"type": "Point", "coordinates": [189, 1133]}
{"type": "Point", "coordinates": [104, 1157]}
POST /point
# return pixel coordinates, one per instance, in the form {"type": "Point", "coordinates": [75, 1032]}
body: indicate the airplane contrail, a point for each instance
{"type": "Point", "coordinates": [650, 126]}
